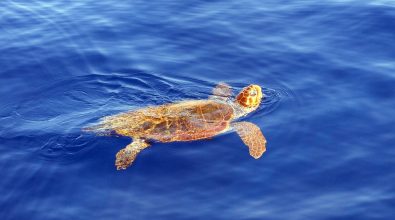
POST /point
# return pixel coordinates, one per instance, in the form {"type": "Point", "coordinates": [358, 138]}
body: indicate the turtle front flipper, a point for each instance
{"type": "Point", "coordinates": [127, 155]}
{"type": "Point", "coordinates": [252, 137]}
{"type": "Point", "coordinates": [222, 91]}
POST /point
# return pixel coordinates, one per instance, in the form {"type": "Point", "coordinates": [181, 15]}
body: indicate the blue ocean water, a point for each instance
{"type": "Point", "coordinates": [327, 69]}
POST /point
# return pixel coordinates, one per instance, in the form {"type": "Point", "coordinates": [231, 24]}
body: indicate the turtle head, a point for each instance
{"type": "Point", "coordinates": [250, 98]}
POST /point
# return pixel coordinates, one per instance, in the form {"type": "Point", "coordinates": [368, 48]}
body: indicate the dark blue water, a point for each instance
{"type": "Point", "coordinates": [328, 73]}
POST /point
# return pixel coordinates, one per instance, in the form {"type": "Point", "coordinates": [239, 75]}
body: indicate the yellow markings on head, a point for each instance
{"type": "Point", "coordinates": [250, 96]}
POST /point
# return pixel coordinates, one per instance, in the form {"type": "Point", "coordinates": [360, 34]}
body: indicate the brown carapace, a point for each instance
{"type": "Point", "coordinates": [187, 121]}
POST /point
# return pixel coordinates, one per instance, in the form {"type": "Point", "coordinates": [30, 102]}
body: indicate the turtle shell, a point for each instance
{"type": "Point", "coordinates": [183, 121]}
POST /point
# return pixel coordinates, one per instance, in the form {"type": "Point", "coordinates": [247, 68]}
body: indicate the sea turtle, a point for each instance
{"type": "Point", "coordinates": [187, 121]}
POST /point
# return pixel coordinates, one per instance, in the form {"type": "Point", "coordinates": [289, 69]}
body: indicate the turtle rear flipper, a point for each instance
{"type": "Point", "coordinates": [252, 137]}
{"type": "Point", "coordinates": [127, 155]}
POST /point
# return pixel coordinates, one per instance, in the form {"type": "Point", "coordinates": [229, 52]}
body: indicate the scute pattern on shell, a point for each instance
{"type": "Point", "coordinates": [184, 121]}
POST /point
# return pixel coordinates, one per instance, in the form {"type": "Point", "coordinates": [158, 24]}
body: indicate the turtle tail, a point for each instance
{"type": "Point", "coordinates": [99, 129]}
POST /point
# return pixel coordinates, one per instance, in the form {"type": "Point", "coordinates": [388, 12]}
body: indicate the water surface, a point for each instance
{"type": "Point", "coordinates": [327, 69]}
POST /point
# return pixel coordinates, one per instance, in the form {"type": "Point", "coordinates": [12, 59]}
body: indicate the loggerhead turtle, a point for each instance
{"type": "Point", "coordinates": [187, 121]}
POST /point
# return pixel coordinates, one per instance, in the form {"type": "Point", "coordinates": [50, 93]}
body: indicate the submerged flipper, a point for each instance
{"type": "Point", "coordinates": [127, 155]}
{"type": "Point", "coordinates": [222, 91]}
{"type": "Point", "coordinates": [252, 137]}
